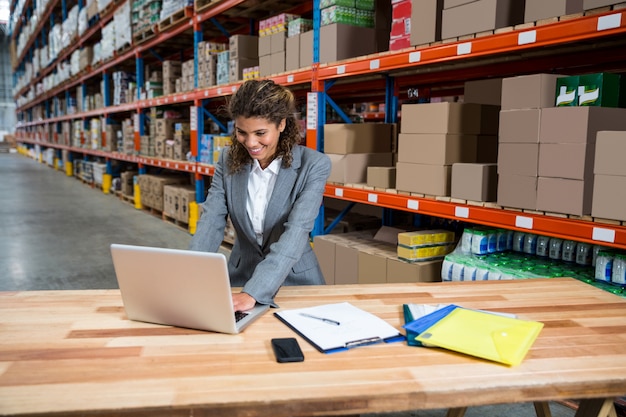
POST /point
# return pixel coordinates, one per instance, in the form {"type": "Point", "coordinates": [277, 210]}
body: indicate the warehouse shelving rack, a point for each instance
{"type": "Point", "coordinates": [572, 44]}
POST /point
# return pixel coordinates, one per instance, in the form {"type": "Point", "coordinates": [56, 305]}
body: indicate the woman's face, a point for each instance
{"type": "Point", "coordinates": [259, 136]}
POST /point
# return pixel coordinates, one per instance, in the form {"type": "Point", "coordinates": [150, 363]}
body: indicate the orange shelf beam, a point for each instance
{"type": "Point", "coordinates": [559, 33]}
{"type": "Point", "coordinates": [580, 230]}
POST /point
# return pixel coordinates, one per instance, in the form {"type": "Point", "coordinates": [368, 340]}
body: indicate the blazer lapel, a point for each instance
{"type": "Point", "coordinates": [239, 195]}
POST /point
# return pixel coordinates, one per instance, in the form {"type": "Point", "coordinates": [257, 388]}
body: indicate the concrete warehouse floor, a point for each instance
{"type": "Point", "coordinates": [56, 233]}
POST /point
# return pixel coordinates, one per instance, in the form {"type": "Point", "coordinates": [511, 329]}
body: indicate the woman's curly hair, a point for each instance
{"type": "Point", "coordinates": [266, 100]}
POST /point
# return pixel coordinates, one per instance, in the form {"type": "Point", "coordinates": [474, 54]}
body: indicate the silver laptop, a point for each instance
{"type": "Point", "coordinates": [178, 288]}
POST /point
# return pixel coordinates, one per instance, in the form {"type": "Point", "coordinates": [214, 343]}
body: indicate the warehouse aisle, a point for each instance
{"type": "Point", "coordinates": [56, 231]}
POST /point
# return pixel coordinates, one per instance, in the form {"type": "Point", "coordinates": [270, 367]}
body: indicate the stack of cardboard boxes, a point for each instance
{"type": "Point", "coordinates": [172, 70]}
{"type": "Point", "coordinates": [353, 148]}
{"type": "Point", "coordinates": [243, 53]}
{"type": "Point", "coordinates": [433, 137]}
{"type": "Point", "coordinates": [609, 187]}
{"type": "Point", "coordinates": [207, 62]}
{"type": "Point", "coordinates": [179, 148]}
{"type": "Point", "coordinates": [151, 188]}
{"type": "Point", "coordinates": [547, 153]}
{"type": "Point", "coordinates": [176, 199]}
{"type": "Point", "coordinates": [272, 44]}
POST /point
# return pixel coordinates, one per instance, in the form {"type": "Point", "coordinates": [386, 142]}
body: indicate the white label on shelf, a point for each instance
{"type": "Point", "coordinates": [167, 100]}
{"type": "Point", "coordinates": [524, 38]}
{"type": "Point", "coordinates": [233, 88]}
{"type": "Point", "coordinates": [611, 21]}
{"type": "Point", "coordinates": [290, 78]}
{"type": "Point", "coordinates": [604, 235]}
{"type": "Point", "coordinates": [136, 122]}
{"type": "Point", "coordinates": [372, 198]}
{"type": "Point", "coordinates": [206, 93]}
{"type": "Point", "coordinates": [462, 212]}
{"type": "Point", "coordinates": [311, 111]}
{"type": "Point", "coordinates": [374, 64]}
{"type": "Point", "coordinates": [413, 204]}
{"type": "Point", "coordinates": [193, 118]}
{"type": "Point", "coordinates": [415, 57]}
{"type": "Point", "coordinates": [339, 192]}
{"type": "Point", "coordinates": [464, 48]}
{"type": "Point", "coordinates": [219, 90]}
{"type": "Point", "coordinates": [524, 222]}
{"type": "Point", "coordinates": [341, 69]}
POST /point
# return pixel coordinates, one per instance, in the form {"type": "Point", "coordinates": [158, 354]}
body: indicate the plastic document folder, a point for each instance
{"type": "Point", "coordinates": [337, 327]}
{"type": "Point", "coordinates": [485, 335]}
{"type": "Point", "coordinates": [420, 317]}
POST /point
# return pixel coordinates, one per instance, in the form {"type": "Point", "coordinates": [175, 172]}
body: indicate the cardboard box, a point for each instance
{"type": "Point", "coordinates": [520, 126]}
{"type": "Point", "coordinates": [265, 65]}
{"type": "Point", "coordinates": [265, 45]}
{"type": "Point", "coordinates": [609, 197]}
{"type": "Point", "coordinates": [426, 21]}
{"type": "Point", "coordinates": [436, 149]}
{"type": "Point", "coordinates": [487, 149]}
{"type": "Point", "coordinates": [352, 168]}
{"type": "Point", "coordinates": [324, 248]}
{"type": "Point", "coordinates": [517, 191]}
{"type": "Point", "coordinates": [341, 41]}
{"type": "Point", "coordinates": [518, 159]}
{"type": "Point", "coordinates": [541, 9]}
{"type": "Point", "coordinates": [346, 271]}
{"type": "Point", "coordinates": [292, 54]}
{"type": "Point", "coordinates": [579, 124]}
{"type": "Point", "coordinates": [278, 42]}
{"type": "Point", "coordinates": [594, 4]}
{"type": "Point", "coordinates": [567, 196]}
{"type": "Point", "coordinates": [236, 67]}
{"type": "Point", "coordinates": [480, 16]}
{"type": "Point", "coordinates": [529, 91]}
{"type": "Point", "coordinates": [566, 160]}
{"type": "Point", "coordinates": [381, 177]}
{"type": "Point", "coordinates": [372, 267]}
{"type": "Point", "coordinates": [306, 49]}
{"type": "Point", "coordinates": [278, 62]}
{"type": "Point", "coordinates": [610, 151]}
{"type": "Point", "coordinates": [186, 195]}
{"type": "Point", "coordinates": [488, 91]}
{"type": "Point", "coordinates": [345, 138]}
{"type": "Point", "coordinates": [424, 179]}
{"type": "Point", "coordinates": [401, 271]}
{"type": "Point", "coordinates": [455, 118]}
{"type": "Point", "coordinates": [476, 182]}
{"type": "Point", "coordinates": [448, 4]}
{"type": "Point", "coordinates": [243, 46]}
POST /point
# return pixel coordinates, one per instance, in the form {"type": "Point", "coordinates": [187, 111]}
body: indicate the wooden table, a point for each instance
{"type": "Point", "coordinates": [75, 353]}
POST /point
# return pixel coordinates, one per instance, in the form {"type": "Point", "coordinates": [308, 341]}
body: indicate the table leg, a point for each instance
{"type": "Point", "coordinates": [456, 412]}
{"type": "Point", "coordinates": [597, 407]}
{"type": "Point", "coordinates": [542, 409]}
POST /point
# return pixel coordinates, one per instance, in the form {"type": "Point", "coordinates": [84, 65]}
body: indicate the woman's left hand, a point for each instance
{"type": "Point", "coordinates": [243, 301]}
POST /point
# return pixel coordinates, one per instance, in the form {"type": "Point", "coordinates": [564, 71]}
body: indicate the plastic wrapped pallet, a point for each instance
{"type": "Point", "coordinates": [102, 4]}
{"type": "Point", "coordinates": [83, 22]}
{"type": "Point", "coordinates": [75, 62]}
{"type": "Point", "coordinates": [123, 30]}
{"type": "Point", "coordinates": [108, 41]}
{"type": "Point", "coordinates": [70, 27]}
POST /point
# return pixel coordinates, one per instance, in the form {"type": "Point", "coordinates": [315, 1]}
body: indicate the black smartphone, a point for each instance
{"type": "Point", "coordinates": [287, 349]}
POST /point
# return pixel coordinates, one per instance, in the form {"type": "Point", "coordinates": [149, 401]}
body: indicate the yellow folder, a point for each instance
{"type": "Point", "coordinates": [485, 335]}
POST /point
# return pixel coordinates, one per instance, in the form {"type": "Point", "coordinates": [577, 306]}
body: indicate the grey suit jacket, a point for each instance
{"type": "Point", "coordinates": [285, 257]}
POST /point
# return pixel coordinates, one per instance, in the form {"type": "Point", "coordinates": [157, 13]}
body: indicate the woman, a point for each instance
{"type": "Point", "coordinates": [272, 189]}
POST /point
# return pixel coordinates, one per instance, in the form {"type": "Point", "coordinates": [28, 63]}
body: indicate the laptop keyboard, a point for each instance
{"type": "Point", "coordinates": [239, 315]}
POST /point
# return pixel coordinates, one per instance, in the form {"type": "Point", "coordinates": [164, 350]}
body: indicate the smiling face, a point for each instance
{"type": "Point", "coordinates": [259, 137]}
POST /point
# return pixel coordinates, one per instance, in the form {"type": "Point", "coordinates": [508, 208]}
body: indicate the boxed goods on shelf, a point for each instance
{"type": "Point", "coordinates": [123, 27]}
{"type": "Point", "coordinates": [538, 9]}
{"type": "Point", "coordinates": [176, 199]}
{"type": "Point", "coordinates": [151, 188]}
{"type": "Point", "coordinates": [381, 177]}
{"type": "Point", "coordinates": [342, 138]}
{"type": "Point", "coordinates": [474, 182]}
{"type": "Point", "coordinates": [340, 41]}
{"type": "Point", "coordinates": [480, 16]}
{"type": "Point", "coordinates": [601, 89]}
{"type": "Point", "coordinates": [609, 187]}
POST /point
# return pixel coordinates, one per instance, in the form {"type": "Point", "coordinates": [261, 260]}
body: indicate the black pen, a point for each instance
{"type": "Point", "coordinates": [325, 320]}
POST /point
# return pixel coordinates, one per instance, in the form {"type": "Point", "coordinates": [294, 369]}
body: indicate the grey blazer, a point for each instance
{"type": "Point", "coordinates": [285, 257]}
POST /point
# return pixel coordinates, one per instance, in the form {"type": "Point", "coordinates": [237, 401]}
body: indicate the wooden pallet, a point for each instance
{"type": "Point", "coordinates": [202, 5]}
{"type": "Point", "coordinates": [145, 34]}
{"type": "Point", "coordinates": [175, 19]}
{"type": "Point", "coordinates": [175, 222]}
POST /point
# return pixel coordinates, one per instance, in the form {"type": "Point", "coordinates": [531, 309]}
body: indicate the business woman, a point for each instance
{"type": "Point", "coordinates": [272, 188]}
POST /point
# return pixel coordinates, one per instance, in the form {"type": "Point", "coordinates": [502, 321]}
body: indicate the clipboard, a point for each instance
{"type": "Point", "coordinates": [485, 335]}
{"type": "Point", "coordinates": [338, 327]}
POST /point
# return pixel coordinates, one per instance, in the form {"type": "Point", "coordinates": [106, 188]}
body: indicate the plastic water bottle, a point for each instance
{"type": "Point", "coordinates": [556, 248]}
{"type": "Point", "coordinates": [530, 244]}
{"type": "Point", "coordinates": [619, 269]}
{"type": "Point", "coordinates": [583, 254]}
{"type": "Point", "coordinates": [604, 266]}
{"type": "Point", "coordinates": [569, 251]}
{"type": "Point", "coordinates": [518, 241]}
